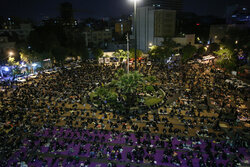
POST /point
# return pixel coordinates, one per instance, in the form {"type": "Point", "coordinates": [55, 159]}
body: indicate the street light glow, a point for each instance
{"type": "Point", "coordinates": [34, 65]}
{"type": "Point", "coordinates": [6, 69]}
{"type": "Point", "coordinates": [11, 53]}
{"type": "Point", "coordinates": [134, 0]}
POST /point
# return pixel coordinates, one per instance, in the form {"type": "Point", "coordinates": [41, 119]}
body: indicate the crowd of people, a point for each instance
{"type": "Point", "coordinates": [50, 121]}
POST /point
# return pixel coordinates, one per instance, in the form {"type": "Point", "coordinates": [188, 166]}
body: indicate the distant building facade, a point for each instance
{"type": "Point", "coordinates": [95, 38]}
{"type": "Point", "coordinates": [123, 27]}
{"type": "Point", "coordinates": [23, 31]}
{"type": "Point", "coordinates": [164, 4]}
{"type": "Point", "coordinates": [153, 25]}
{"type": "Point", "coordinates": [164, 24]}
{"type": "Point", "coordinates": [188, 39]}
{"type": "Point", "coordinates": [5, 45]}
{"type": "Point", "coordinates": [238, 12]}
{"type": "Point", "coordinates": [218, 32]}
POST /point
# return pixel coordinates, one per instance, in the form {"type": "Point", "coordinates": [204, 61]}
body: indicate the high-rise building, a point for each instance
{"type": "Point", "coordinates": [164, 25]}
{"type": "Point", "coordinates": [164, 4]}
{"type": "Point", "coordinates": [153, 25]}
{"type": "Point", "coordinates": [66, 11]}
{"type": "Point", "coordinates": [123, 27]}
{"type": "Point", "coordinates": [238, 12]}
{"type": "Point", "coordinates": [67, 15]}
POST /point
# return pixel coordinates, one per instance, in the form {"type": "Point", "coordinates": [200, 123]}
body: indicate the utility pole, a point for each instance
{"type": "Point", "coordinates": [128, 53]}
{"type": "Point", "coordinates": [135, 33]}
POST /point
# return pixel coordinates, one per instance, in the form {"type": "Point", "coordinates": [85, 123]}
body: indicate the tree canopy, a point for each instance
{"type": "Point", "coordinates": [126, 91]}
{"type": "Point", "coordinates": [56, 42]}
{"type": "Point", "coordinates": [160, 53]}
{"type": "Point", "coordinates": [139, 53]}
{"type": "Point", "coordinates": [226, 59]}
{"type": "Point", "coordinates": [97, 52]}
{"type": "Point", "coordinates": [188, 52]}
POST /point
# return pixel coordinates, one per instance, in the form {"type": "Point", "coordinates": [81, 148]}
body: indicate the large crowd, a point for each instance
{"type": "Point", "coordinates": [51, 121]}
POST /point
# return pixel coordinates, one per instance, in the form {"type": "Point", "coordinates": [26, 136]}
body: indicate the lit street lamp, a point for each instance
{"type": "Point", "coordinates": [150, 45]}
{"type": "Point", "coordinates": [135, 33]}
{"type": "Point", "coordinates": [11, 53]}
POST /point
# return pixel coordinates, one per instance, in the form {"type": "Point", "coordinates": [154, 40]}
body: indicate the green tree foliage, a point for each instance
{"type": "Point", "coordinates": [157, 54]}
{"type": "Point", "coordinates": [201, 51]}
{"type": "Point", "coordinates": [126, 90]}
{"type": "Point", "coordinates": [121, 54]}
{"type": "Point", "coordinates": [128, 83]}
{"type": "Point", "coordinates": [33, 56]}
{"type": "Point", "coordinates": [3, 59]}
{"type": "Point", "coordinates": [213, 47]}
{"type": "Point", "coordinates": [43, 39]}
{"type": "Point", "coordinates": [57, 43]}
{"type": "Point", "coordinates": [150, 88]}
{"type": "Point", "coordinates": [59, 53]}
{"type": "Point", "coordinates": [160, 53]}
{"type": "Point", "coordinates": [16, 71]}
{"type": "Point", "coordinates": [120, 72]}
{"type": "Point", "coordinates": [188, 52]}
{"type": "Point", "coordinates": [139, 53]}
{"type": "Point", "coordinates": [170, 44]}
{"type": "Point", "coordinates": [151, 79]}
{"type": "Point", "coordinates": [226, 59]}
{"type": "Point", "coordinates": [242, 37]}
{"type": "Point", "coordinates": [237, 41]}
{"type": "Point", "coordinates": [97, 52]}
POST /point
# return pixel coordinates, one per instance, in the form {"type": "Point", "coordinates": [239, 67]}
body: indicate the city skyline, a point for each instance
{"type": "Point", "coordinates": [36, 10]}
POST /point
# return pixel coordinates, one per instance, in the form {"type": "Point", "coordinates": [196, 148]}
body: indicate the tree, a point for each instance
{"type": "Point", "coordinates": [121, 54]}
{"type": "Point", "coordinates": [30, 56]}
{"type": "Point", "coordinates": [126, 91]}
{"type": "Point", "coordinates": [201, 51]}
{"type": "Point", "coordinates": [156, 53]}
{"type": "Point", "coordinates": [188, 52]}
{"type": "Point", "coordinates": [139, 53]}
{"type": "Point", "coordinates": [169, 43]}
{"type": "Point", "coordinates": [213, 47]}
{"type": "Point", "coordinates": [66, 11]}
{"type": "Point", "coordinates": [237, 41]}
{"type": "Point", "coordinates": [16, 71]}
{"type": "Point", "coordinates": [160, 53]}
{"type": "Point", "coordinates": [3, 59]}
{"type": "Point", "coordinates": [128, 84]}
{"type": "Point", "coordinates": [226, 59]}
{"type": "Point", "coordinates": [55, 39]}
{"type": "Point", "coordinates": [60, 54]}
{"type": "Point", "coordinates": [97, 52]}
{"type": "Point", "coordinates": [85, 54]}
{"type": "Point", "coordinates": [43, 39]}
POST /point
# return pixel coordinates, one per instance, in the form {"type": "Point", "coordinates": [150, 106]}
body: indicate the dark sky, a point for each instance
{"type": "Point", "coordinates": [35, 9]}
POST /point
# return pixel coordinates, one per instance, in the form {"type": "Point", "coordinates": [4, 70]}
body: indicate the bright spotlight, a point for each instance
{"type": "Point", "coordinates": [34, 65]}
{"type": "Point", "coordinates": [6, 69]}
{"type": "Point", "coordinates": [11, 53]}
{"type": "Point", "coordinates": [134, 0]}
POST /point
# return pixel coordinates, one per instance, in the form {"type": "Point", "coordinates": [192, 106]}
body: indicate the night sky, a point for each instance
{"type": "Point", "coordinates": [36, 9]}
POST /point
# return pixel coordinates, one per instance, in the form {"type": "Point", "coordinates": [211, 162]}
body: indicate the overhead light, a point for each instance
{"type": "Point", "coordinates": [34, 65]}
{"type": "Point", "coordinates": [6, 69]}
{"type": "Point", "coordinates": [11, 53]}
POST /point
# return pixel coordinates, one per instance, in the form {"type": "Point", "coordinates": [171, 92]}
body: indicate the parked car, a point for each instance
{"type": "Point", "coordinates": [32, 76]}
{"type": "Point", "coordinates": [20, 79]}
